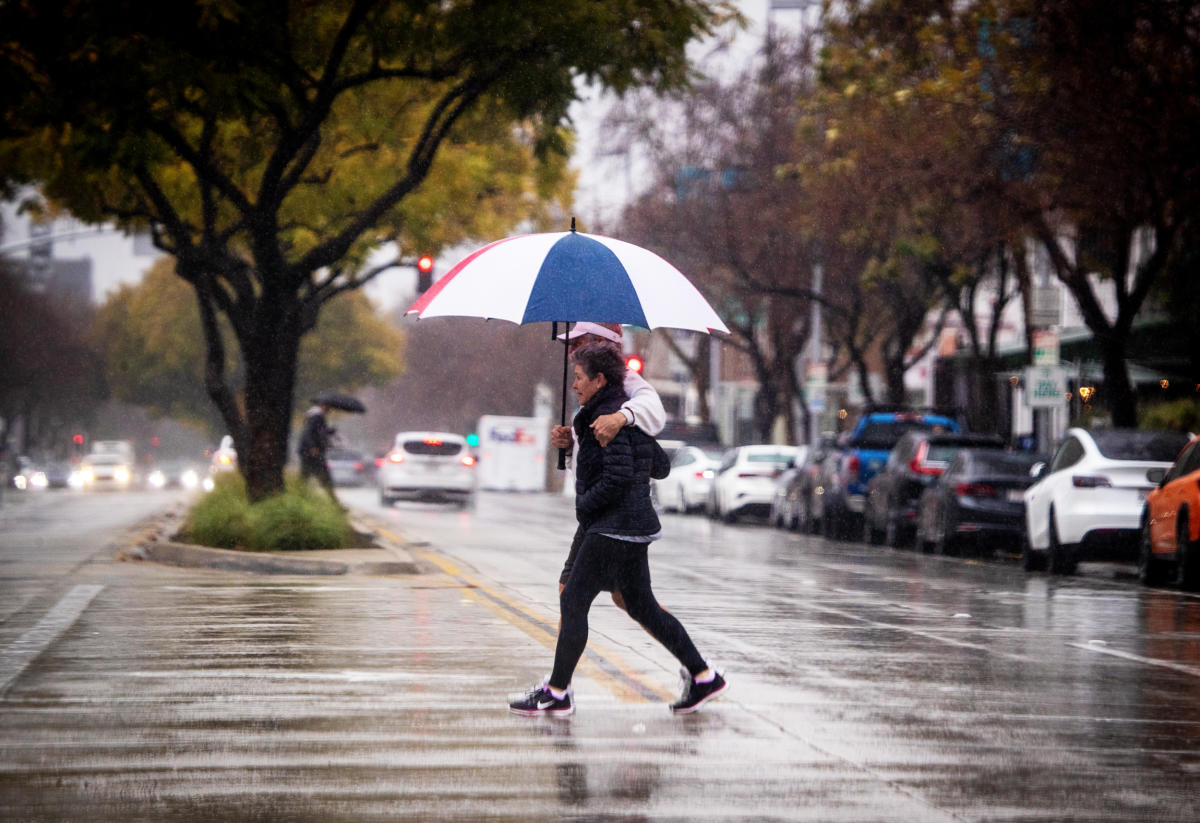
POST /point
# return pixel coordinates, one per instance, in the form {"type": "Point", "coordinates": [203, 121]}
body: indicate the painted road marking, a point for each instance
{"type": "Point", "coordinates": [25, 649]}
{"type": "Point", "coordinates": [1137, 658]}
{"type": "Point", "coordinates": [601, 663]}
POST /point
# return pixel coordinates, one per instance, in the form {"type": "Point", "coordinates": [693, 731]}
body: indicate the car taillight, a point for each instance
{"type": "Point", "coordinates": [467, 460]}
{"type": "Point", "coordinates": [395, 457]}
{"type": "Point", "coordinates": [359, 467]}
{"type": "Point", "coordinates": [707, 474]}
{"type": "Point", "coordinates": [917, 464]}
{"type": "Point", "coordinates": [1084, 481]}
{"type": "Point", "coordinates": [853, 464]}
{"type": "Point", "coordinates": [974, 490]}
{"type": "Point", "coordinates": [432, 441]}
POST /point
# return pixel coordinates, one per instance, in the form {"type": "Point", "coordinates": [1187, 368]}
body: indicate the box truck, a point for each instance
{"type": "Point", "coordinates": [512, 453]}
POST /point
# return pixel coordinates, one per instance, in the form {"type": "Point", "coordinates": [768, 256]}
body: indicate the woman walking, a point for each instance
{"type": "Point", "coordinates": [612, 504]}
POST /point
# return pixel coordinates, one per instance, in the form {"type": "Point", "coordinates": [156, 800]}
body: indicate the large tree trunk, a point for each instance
{"type": "Point", "coordinates": [1122, 399]}
{"type": "Point", "coordinates": [271, 356]}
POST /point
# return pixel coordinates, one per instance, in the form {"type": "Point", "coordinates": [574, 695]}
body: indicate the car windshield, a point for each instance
{"type": "Point", "coordinates": [344, 454]}
{"type": "Point", "coordinates": [941, 454]}
{"type": "Point", "coordinates": [438, 448]}
{"type": "Point", "coordinates": [1125, 444]}
{"type": "Point", "coordinates": [885, 435]}
{"type": "Point", "coordinates": [714, 454]}
{"type": "Point", "coordinates": [1003, 464]}
{"type": "Point", "coordinates": [105, 460]}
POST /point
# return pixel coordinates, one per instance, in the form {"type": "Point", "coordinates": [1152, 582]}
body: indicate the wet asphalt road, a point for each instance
{"type": "Point", "coordinates": [867, 683]}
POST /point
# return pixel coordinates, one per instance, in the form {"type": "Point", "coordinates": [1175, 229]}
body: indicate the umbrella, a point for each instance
{"type": "Point", "coordinates": [562, 277]}
{"type": "Point", "coordinates": [569, 276]}
{"type": "Point", "coordinates": [342, 402]}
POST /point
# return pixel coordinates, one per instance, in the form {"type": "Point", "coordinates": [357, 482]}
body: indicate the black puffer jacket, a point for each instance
{"type": "Point", "coordinates": [612, 484]}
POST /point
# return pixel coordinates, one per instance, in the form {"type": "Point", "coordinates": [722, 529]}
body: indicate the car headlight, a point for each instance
{"type": "Point", "coordinates": [157, 479]}
{"type": "Point", "coordinates": [75, 480]}
{"type": "Point", "coordinates": [189, 479]}
{"type": "Point", "coordinates": [38, 480]}
{"type": "Point", "coordinates": [121, 474]}
{"type": "Point", "coordinates": [21, 482]}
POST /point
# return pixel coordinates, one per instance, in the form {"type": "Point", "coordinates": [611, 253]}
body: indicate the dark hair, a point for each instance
{"type": "Point", "coordinates": [601, 358]}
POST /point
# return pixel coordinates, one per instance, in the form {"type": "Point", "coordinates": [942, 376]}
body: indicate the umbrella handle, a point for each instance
{"type": "Point", "coordinates": [562, 453]}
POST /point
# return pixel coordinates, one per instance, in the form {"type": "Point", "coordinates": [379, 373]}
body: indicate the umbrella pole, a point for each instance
{"type": "Point", "coordinates": [562, 453]}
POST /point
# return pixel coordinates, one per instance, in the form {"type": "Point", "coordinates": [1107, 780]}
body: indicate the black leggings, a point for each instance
{"type": "Point", "coordinates": [605, 563]}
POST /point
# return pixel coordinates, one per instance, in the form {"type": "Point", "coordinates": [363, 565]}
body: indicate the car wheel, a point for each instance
{"type": "Point", "coordinates": [1031, 560]}
{"type": "Point", "coordinates": [871, 534]}
{"type": "Point", "coordinates": [1062, 558]}
{"type": "Point", "coordinates": [1150, 568]}
{"type": "Point", "coordinates": [1187, 564]}
{"type": "Point", "coordinates": [681, 503]}
{"type": "Point", "coordinates": [385, 499]}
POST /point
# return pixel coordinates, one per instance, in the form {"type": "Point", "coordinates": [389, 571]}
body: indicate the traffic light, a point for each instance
{"type": "Point", "coordinates": [77, 440]}
{"type": "Point", "coordinates": [472, 440]}
{"type": "Point", "coordinates": [424, 273]}
{"type": "Point", "coordinates": [635, 363]}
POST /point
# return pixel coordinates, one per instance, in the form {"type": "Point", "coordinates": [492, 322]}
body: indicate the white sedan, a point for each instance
{"type": "Point", "coordinates": [692, 471]}
{"type": "Point", "coordinates": [1087, 502]}
{"type": "Point", "coordinates": [746, 480]}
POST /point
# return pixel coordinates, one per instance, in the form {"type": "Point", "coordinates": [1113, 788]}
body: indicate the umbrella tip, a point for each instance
{"type": "Point", "coordinates": [572, 223]}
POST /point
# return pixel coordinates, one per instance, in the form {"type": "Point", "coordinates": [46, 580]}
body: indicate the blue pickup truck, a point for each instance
{"type": "Point", "coordinates": [863, 451]}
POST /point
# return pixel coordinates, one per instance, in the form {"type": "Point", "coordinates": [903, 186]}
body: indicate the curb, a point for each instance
{"type": "Point", "coordinates": [154, 545]}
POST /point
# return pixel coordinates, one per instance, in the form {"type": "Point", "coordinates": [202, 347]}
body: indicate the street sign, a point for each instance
{"type": "Point", "coordinates": [1046, 306]}
{"type": "Point", "coordinates": [1045, 347]}
{"type": "Point", "coordinates": [814, 389]}
{"type": "Point", "coordinates": [1045, 386]}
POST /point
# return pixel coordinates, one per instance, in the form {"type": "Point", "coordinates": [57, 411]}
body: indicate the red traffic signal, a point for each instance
{"type": "Point", "coordinates": [634, 363]}
{"type": "Point", "coordinates": [77, 440]}
{"type": "Point", "coordinates": [424, 273]}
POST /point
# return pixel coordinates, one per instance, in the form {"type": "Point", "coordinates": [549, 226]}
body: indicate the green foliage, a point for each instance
{"type": "Point", "coordinates": [299, 518]}
{"type": "Point", "coordinates": [1178, 415]}
{"type": "Point", "coordinates": [154, 349]}
{"type": "Point", "coordinates": [273, 145]}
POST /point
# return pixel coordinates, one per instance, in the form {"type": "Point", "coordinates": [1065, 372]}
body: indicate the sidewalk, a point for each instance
{"type": "Point", "coordinates": [154, 543]}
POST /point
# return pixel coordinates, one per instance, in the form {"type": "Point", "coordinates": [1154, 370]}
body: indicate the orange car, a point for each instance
{"type": "Point", "coordinates": [1171, 524]}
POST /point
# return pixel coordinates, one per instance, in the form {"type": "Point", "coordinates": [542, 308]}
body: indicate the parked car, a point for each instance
{"type": "Point", "coordinates": [798, 507]}
{"type": "Point", "coordinates": [427, 466]}
{"type": "Point", "coordinates": [918, 458]}
{"type": "Point", "coordinates": [1170, 534]}
{"type": "Point", "coordinates": [746, 478]}
{"type": "Point", "coordinates": [784, 513]}
{"type": "Point", "coordinates": [861, 453]}
{"type": "Point", "coordinates": [1087, 503]}
{"type": "Point", "coordinates": [347, 467]}
{"type": "Point", "coordinates": [979, 501]}
{"type": "Point", "coordinates": [692, 471]}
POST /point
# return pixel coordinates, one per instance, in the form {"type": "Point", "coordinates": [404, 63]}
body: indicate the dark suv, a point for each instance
{"type": "Point", "coordinates": [919, 458]}
{"type": "Point", "coordinates": [843, 479]}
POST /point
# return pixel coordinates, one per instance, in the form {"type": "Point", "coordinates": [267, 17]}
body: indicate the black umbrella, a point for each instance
{"type": "Point", "coordinates": [341, 402]}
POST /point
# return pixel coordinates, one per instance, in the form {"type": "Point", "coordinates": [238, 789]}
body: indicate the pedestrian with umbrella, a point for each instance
{"type": "Point", "coordinates": [569, 277]}
{"type": "Point", "coordinates": [612, 505]}
{"type": "Point", "coordinates": [317, 435]}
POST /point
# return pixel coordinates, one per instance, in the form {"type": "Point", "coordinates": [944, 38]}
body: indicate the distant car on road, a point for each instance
{"type": "Point", "coordinates": [978, 502]}
{"type": "Point", "coordinates": [174, 474]}
{"type": "Point", "coordinates": [106, 471]}
{"type": "Point", "coordinates": [916, 461]}
{"type": "Point", "coordinates": [1170, 535]}
{"type": "Point", "coordinates": [428, 465]}
{"type": "Point", "coordinates": [347, 467]}
{"type": "Point", "coordinates": [1088, 502]}
{"type": "Point", "coordinates": [746, 479]}
{"type": "Point", "coordinates": [692, 471]}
